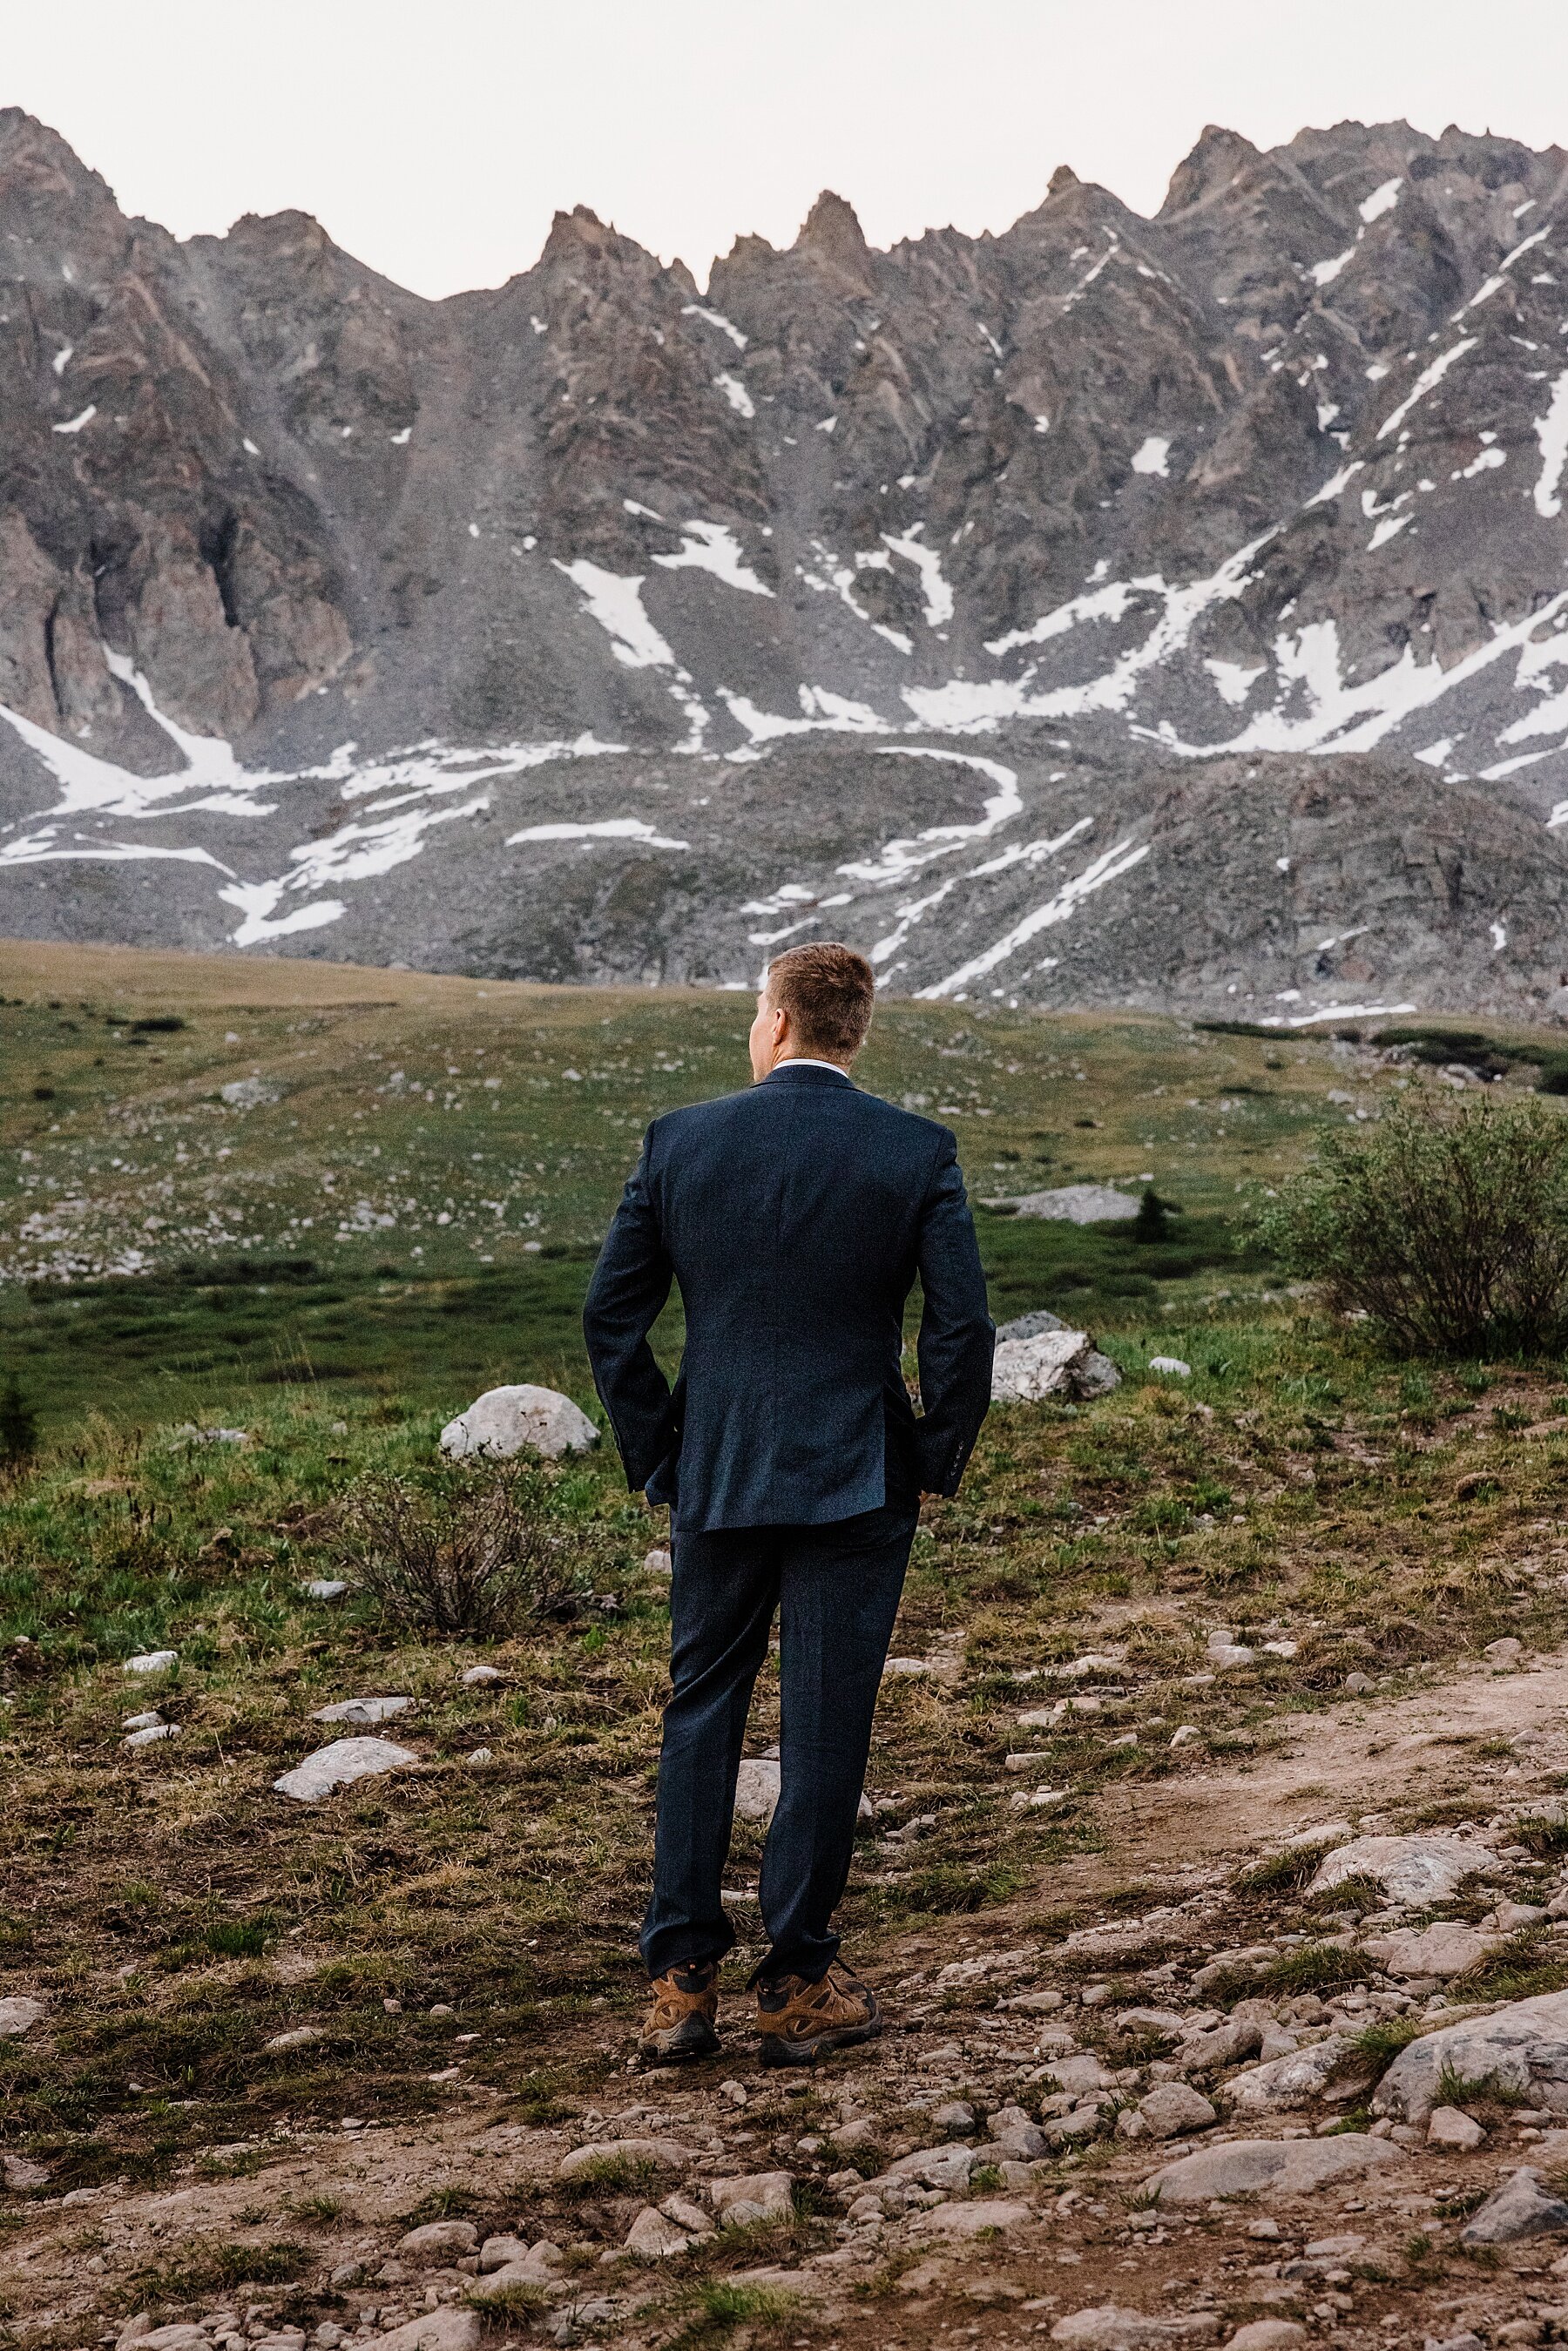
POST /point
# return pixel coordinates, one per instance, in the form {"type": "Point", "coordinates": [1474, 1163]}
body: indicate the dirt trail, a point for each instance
{"type": "Point", "coordinates": [1354, 1758]}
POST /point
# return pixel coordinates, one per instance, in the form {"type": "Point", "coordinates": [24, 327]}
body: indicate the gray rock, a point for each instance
{"type": "Point", "coordinates": [19, 2011]}
{"type": "Point", "coordinates": [437, 2238]}
{"type": "Point", "coordinates": [1282, 2167]}
{"type": "Point", "coordinates": [1025, 1370]}
{"type": "Point", "coordinates": [757, 1786]}
{"type": "Point", "coordinates": [481, 1677]}
{"type": "Point", "coordinates": [1170, 1367]}
{"type": "Point", "coordinates": [447, 2329]}
{"type": "Point", "coordinates": [1442, 1951]}
{"type": "Point", "coordinates": [1269, 2335]}
{"type": "Point", "coordinates": [958, 2118]}
{"type": "Point", "coordinates": [1017, 2137]}
{"type": "Point", "coordinates": [325, 1587]}
{"type": "Point", "coordinates": [1448, 2127]}
{"type": "Point", "coordinates": [1296, 2079]}
{"type": "Point", "coordinates": [363, 1709]}
{"type": "Point", "coordinates": [301, 2037]}
{"type": "Point", "coordinates": [1072, 1203]}
{"type": "Point", "coordinates": [1109, 2328]}
{"type": "Point", "coordinates": [760, 2196]}
{"type": "Point", "coordinates": [536, 2264]}
{"type": "Point", "coordinates": [1521, 2208]}
{"type": "Point", "coordinates": [1418, 1870]}
{"type": "Point", "coordinates": [978, 2219]}
{"type": "Point", "coordinates": [653, 2236]}
{"type": "Point", "coordinates": [18, 2173]}
{"type": "Point", "coordinates": [339, 1765]}
{"type": "Point", "coordinates": [1170, 2110]}
{"type": "Point", "coordinates": [1521, 2049]}
{"type": "Point", "coordinates": [149, 1735]}
{"type": "Point", "coordinates": [509, 1420]}
{"type": "Point", "coordinates": [152, 1661]}
{"type": "Point", "coordinates": [1033, 1326]}
{"type": "Point", "coordinates": [1227, 2044]}
{"type": "Point", "coordinates": [655, 2154]}
{"type": "Point", "coordinates": [933, 2166]}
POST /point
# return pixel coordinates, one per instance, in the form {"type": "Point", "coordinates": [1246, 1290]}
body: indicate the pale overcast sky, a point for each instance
{"type": "Point", "coordinates": [434, 138]}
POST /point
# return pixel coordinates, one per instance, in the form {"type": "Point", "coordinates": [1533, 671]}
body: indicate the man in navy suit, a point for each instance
{"type": "Point", "coordinates": [795, 1217]}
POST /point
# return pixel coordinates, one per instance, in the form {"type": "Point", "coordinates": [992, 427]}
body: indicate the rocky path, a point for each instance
{"type": "Point", "coordinates": [1314, 2101]}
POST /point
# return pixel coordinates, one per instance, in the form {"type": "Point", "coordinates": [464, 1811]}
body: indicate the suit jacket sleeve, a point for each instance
{"type": "Point", "coordinates": [957, 1337]}
{"type": "Point", "coordinates": [629, 1285]}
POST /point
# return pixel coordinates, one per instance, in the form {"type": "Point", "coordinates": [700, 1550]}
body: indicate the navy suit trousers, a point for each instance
{"type": "Point", "coordinates": [836, 1589]}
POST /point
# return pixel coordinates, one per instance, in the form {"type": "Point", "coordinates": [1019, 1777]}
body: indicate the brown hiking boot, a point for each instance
{"type": "Point", "coordinates": [798, 2020]}
{"type": "Point", "coordinates": [680, 2019]}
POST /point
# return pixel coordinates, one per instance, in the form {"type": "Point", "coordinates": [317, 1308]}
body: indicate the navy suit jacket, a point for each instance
{"type": "Point", "coordinates": [795, 1217]}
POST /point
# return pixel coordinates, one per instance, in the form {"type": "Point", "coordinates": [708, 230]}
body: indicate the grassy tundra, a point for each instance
{"type": "Point", "coordinates": [325, 1207]}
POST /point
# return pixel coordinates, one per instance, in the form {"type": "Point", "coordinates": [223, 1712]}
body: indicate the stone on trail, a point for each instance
{"type": "Point", "coordinates": [449, 2329]}
{"type": "Point", "coordinates": [653, 2237]}
{"type": "Point", "coordinates": [1210, 2053]}
{"type": "Point", "coordinates": [761, 2196]}
{"type": "Point", "coordinates": [1520, 2050]}
{"type": "Point", "coordinates": [757, 1786]}
{"type": "Point", "coordinates": [1109, 2328]}
{"type": "Point", "coordinates": [339, 1765]}
{"type": "Point", "coordinates": [1296, 2079]}
{"type": "Point", "coordinates": [932, 2166]}
{"type": "Point", "coordinates": [1072, 1203]}
{"type": "Point", "coordinates": [439, 2237]}
{"type": "Point", "coordinates": [1418, 1870]}
{"type": "Point", "coordinates": [1267, 2335]}
{"type": "Point", "coordinates": [1281, 2167]}
{"type": "Point", "coordinates": [509, 1420]}
{"type": "Point", "coordinates": [19, 2172]}
{"type": "Point", "coordinates": [657, 2153]}
{"type": "Point", "coordinates": [1521, 2208]}
{"type": "Point", "coordinates": [1505, 1653]}
{"type": "Point", "coordinates": [363, 1709]}
{"type": "Point", "coordinates": [152, 1661]}
{"type": "Point", "coordinates": [182, 2335]}
{"type": "Point", "coordinates": [973, 2220]}
{"type": "Point", "coordinates": [1441, 1951]}
{"type": "Point", "coordinates": [1449, 2127]}
{"type": "Point", "coordinates": [1171, 2109]}
{"type": "Point", "coordinates": [18, 2015]}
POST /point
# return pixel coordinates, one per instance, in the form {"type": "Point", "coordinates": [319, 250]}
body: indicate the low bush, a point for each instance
{"type": "Point", "coordinates": [477, 1550]}
{"type": "Point", "coordinates": [1446, 1226]}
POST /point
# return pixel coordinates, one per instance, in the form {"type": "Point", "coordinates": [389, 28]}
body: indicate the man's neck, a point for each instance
{"type": "Point", "coordinates": [808, 1061]}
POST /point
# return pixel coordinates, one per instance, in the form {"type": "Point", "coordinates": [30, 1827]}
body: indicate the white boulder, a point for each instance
{"type": "Point", "coordinates": [1419, 1870]}
{"type": "Point", "coordinates": [1053, 1362]}
{"type": "Point", "coordinates": [18, 2015]}
{"type": "Point", "coordinates": [363, 1709]}
{"type": "Point", "coordinates": [339, 1765]}
{"type": "Point", "coordinates": [1072, 1203]}
{"type": "Point", "coordinates": [756, 1787]}
{"type": "Point", "coordinates": [504, 1421]}
{"type": "Point", "coordinates": [1519, 2051]}
{"type": "Point", "coordinates": [152, 1661]}
{"type": "Point", "coordinates": [1442, 1951]}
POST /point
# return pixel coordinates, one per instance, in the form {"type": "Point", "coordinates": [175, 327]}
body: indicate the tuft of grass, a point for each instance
{"type": "Point", "coordinates": [610, 2175]}
{"type": "Point", "coordinates": [722, 2304]}
{"type": "Point", "coordinates": [517, 2304]}
{"type": "Point", "coordinates": [1279, 1873]}
{"type": "Point", "coordinates": [203, 2265]}
{"type": "Point", "coordinates": [1316, 1967]}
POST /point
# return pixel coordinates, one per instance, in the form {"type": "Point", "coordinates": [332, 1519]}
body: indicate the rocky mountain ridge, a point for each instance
{"type": "Point", "coordinates": [1154, 611]}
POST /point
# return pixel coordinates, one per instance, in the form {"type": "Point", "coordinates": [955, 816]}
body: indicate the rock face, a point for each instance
{"type": "Point", "coordinates": [1522, 2049]}
{"type": "Point", "coordinates": [506, 1421]}
{"type": "Point", "coordinates": [1167, 510]}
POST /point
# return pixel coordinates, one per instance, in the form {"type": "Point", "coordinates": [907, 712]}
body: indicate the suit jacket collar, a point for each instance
{"type": "Point", "coordinates": [799, 1073]}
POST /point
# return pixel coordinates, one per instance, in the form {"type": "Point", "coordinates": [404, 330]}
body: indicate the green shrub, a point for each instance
{"type": "Point", "coordinates": [1446, 1225]}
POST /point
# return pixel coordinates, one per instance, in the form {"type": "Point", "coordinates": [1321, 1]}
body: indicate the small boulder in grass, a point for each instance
{"type": "Point", "coordinates": [339, 1765]}
{"type": "Point", "coordinates": [653, 2236]}
{"type": "Point", "coordinates": [659, 1561]}
{"type": "Point", "coordinates": [152, 1661]}
{"type": "Point", "coordinates": [1520, 2209]}
{"type": "Point", "coordinates": [18, 2015]}
{"type": "Point", "coordinates": [522, 1418]}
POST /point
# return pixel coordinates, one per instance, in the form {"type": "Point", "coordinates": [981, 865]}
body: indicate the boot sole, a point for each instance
{"type": "Point", "coordinates": [702, 2041]}
{"type": "Point", "coordinates": [776, 2052]}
